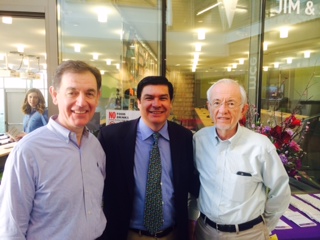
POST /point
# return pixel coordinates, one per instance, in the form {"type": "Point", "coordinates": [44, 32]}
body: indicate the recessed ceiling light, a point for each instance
{"type": "Point", "coordinates": [284, 32]}
{"type": "Point", "coordinates": [265, 46]}
{"type": "Point", "coordinates": [20, 48]}
{"type": "Point", "coordinates": [201, 34]}
{"type": "Point", "coordinates": [77, 48]}
{"type": "Point", "coordinates": [198, 47]}
{"type": "Point", "coordinates": [95, 56]}
{"type": "Point", "coordinates": [7, 20]}
{"type": "Point", "coordinates": [307, 54]}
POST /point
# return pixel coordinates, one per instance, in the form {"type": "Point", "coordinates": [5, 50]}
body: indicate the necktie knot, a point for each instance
{"type": "Point", "coordinates": [156, 136]}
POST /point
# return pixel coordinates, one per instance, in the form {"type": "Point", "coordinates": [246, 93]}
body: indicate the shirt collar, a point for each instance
{"type": "Point", "coordinates": [146, 132]}
{"type": "Point", "coordinates": [233, 139]}
{"type": "Point", "coordinates": [68, 135]}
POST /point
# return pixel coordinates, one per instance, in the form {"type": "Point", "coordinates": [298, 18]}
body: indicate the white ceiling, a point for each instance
{"type": "Point", "coordinates": [223, 46]}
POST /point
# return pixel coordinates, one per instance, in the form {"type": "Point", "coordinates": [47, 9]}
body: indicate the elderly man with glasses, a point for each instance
{"type": "Point", "coordinates": [244, 186]}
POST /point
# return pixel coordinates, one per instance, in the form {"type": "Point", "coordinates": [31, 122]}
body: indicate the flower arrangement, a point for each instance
{"type": "Point", "coordinates": [287, 136]}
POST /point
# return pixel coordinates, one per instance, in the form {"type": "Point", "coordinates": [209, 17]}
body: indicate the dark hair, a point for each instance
{"type": "Point", "coordinates": [75, 66]}
{"type": "Point", "coordinates": [41, 106]}
{"type": "Point", "coordinates": [154, 80]}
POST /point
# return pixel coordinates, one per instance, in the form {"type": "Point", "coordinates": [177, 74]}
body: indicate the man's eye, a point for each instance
{"type": "Point", "coordinates": [71, 94]}
{"type": "Point", "coordinates": [91, 94]}
{"type": "Point", "coordinates": [231, 104]}
{"type": "Point", "coordinates": [216, 103]}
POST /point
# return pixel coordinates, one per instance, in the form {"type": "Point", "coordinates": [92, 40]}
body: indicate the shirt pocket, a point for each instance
{"type": "Point", "coordinates": [239, 188]}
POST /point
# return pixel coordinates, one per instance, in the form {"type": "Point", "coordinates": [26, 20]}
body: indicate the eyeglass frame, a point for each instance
{"type": "Point", "coordinates": [226, 103]}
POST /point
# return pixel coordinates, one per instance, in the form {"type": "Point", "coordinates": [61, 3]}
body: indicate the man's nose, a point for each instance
{"type": "Point", "coordinates": [81, 99]}
{"type": "Point", "coordinates": [156, 102]}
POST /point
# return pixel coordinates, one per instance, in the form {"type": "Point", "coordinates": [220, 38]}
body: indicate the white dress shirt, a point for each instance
{"type": "Point", "coordinates": [235, 175]}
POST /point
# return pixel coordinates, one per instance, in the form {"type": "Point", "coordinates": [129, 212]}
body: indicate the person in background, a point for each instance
{"type": "Point", "coordinates": [36, 114]}
{"type": "Point", "coordinates": [244, 187]}
{"type": "Point", "coordinates": [127, 146]}
{"type": "Point", "coordinates": [53, 178]}
{"type": "Point", "coordinates": [34, 108]}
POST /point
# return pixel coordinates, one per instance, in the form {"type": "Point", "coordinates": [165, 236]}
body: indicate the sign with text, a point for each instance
{"type": "Point", "coordinates": [116, 116]}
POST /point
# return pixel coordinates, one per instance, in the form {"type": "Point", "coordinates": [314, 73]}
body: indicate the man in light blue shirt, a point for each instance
{"type": "Point", "coordinates": [244, 187]}
{"type": "Point", "coordinates": [53, 179]}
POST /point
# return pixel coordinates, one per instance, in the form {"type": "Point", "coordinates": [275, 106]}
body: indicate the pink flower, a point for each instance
{"type": "Point", "coordinates": [295, 146]}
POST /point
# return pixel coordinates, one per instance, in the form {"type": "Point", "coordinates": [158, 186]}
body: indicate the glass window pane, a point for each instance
{"type": "Point", "coordinates": [22, 59]}
{"type": "Point", "coordinates": [122, 39]}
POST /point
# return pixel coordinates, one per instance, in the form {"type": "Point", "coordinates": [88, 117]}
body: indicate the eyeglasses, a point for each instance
{"type": "Point", "coordinates": [230, 104]}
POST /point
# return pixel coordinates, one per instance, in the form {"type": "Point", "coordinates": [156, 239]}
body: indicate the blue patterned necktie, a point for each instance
{"type": "Point", "coordinates": [153, 212]}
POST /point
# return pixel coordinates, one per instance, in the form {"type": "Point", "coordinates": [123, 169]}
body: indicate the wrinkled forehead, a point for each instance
{"type": "Point", "coordinates": [226, 92]}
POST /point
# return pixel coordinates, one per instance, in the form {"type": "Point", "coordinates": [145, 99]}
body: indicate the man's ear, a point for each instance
{"type": "Point", "coordinates": [244, 110]}
{"type": "Point", "coordinates": [53, 94]}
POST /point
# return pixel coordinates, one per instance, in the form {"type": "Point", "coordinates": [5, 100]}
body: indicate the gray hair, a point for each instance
{"type": "Point", "coordinates": [229, 81]}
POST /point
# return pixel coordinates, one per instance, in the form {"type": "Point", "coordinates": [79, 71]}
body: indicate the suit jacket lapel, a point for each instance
{"type": "Point", "coordinates": [127, 153]}
{"type": "Point", "coordinates": [175, 153]}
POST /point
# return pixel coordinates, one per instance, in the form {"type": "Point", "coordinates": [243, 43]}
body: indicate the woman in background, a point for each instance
{"type": "Point", "coordinates": [34, 108]}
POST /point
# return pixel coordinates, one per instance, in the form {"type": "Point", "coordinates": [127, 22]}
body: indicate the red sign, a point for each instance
{"type": "Point", "coordinates": [112, 115]}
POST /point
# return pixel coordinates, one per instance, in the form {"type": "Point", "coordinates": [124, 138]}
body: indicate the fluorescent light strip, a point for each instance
{"type": "Point", "coordinates": [208, 8]}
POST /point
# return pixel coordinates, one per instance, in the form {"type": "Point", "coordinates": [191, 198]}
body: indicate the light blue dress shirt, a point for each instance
{"type": "Point", "coordinates": [144, 142]}
{"type": "Point", "coordinates": [52, 188]}
{"type": "Point", "coordinates": [235, 175]}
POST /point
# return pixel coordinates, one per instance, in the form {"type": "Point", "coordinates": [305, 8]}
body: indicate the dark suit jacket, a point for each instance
{"type": "Point", "coordinates": [118, 141]}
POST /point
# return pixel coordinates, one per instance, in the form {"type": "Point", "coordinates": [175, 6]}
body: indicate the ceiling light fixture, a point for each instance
{"type": "Point", "coordinates": [289, 60]}
{"type": "Point", "coordinates": [95, 56]}
{"type": "Point", "coordinates": [265, 69]}
{"type": "Point", "coordinates": [26, 61]}
{"type": "Point", "coordinates": [284, 32]}
{"type": "Point", "coordinates": [7, 20]}
{"type": "Point", "coordinates": [196, 57]}
{"type": "Point", "coordinates": [265, 46]}
{"type": "Point", "coordinates": [102, 17]}
{"type": "Point", "coordinates": [234, 65]}
{"type": "Point", "coordinates": [102, 72]}
{"type": "Point", "coordinates": [307, 54]}
{"type": "Point", "coordinates": [198, 47]}
{"type": "Point", "coordinates": [229, 69]}
{"type": "Point", "coordinates": [276, 65]}
{"type": "Point", "coordinates": [208, 8]}
{"type": "Point", "coordinates": [20, 48]}
{"type": "Point", "coordinates": [241, 61]}
{"type": "Point", "coordinates": [201, 34]}
{"type": "Point", "coordinates": [1, 57]}
{"type": "Point", "coordinates": [108, 61]}
{"type": "Point", "coordinates": [77, 48]}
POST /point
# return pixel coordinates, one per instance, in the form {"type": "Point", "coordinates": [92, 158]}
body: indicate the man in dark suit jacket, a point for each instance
{"type": "Point", "coordinates": [127, 146]}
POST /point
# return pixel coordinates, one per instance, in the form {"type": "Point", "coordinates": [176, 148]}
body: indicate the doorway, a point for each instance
{"type": "Point", "coordinates": [23, 63]}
